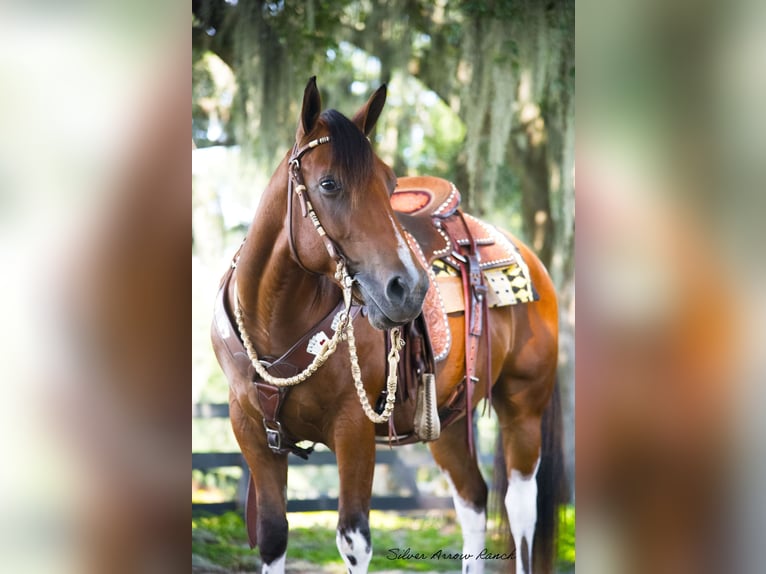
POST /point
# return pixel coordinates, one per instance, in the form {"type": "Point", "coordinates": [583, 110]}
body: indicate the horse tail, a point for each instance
{"type": "Point", "coordinates": [552, 483]}
{"type": "Point", "coordinates": [496, 504]}
{"type": "Point", "coordinates": [552, 486]}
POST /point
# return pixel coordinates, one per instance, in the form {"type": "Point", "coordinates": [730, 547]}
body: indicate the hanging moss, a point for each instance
{"type": "Point", "coordinates": [516, 70]}
{"type": "Point", "coordinates": [274, 47]}
{"type": "Point", "coordinates": [505, 67]}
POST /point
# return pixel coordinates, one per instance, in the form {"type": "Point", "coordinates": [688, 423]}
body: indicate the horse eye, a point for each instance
{"type": "Point", "coordinates": [329, 185]}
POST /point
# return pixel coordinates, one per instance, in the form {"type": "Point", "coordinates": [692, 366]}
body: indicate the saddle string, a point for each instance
{"type": "Point", "coordinates": [345, 327]}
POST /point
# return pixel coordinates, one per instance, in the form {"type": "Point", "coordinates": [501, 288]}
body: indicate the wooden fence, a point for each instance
{"type": "Point", "coordinates": [405, 474]}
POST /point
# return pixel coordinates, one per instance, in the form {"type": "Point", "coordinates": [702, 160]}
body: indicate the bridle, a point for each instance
{"type": "Point", "coordinates": [296, 186]}
{"type": "Point", "coordinates": [344, 329]}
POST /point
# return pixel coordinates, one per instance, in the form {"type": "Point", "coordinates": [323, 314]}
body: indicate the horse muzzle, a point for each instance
{"type": "Point", "coordinates": [394, 303]}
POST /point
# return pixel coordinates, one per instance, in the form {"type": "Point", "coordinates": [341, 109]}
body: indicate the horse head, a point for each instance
{"type": "Point", "coordinates": [345, 190]}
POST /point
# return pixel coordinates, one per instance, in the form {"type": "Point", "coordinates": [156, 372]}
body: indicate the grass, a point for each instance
{"type": "Point", "coordinates": [222, 540]}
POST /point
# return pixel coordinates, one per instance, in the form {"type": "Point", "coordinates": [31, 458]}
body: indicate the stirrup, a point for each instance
{"type": "Point", "coordinates": [427, 423]}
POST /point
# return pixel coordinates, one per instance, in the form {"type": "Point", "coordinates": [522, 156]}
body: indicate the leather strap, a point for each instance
{"type": "Point", "coordinates": [290, 235]}
{"type": "Point", "coordinates": [271, 398]}
{"type": "Point", "coordinates": [251, 513]}
{"type": "Point", "coordinates": [293, 176]}
{"type": "Point", "coordinates": [227, 329]}
{"type": "Point", "coordinates": [474, 294]}
{"type": "Point", "coordinates": [297, 186]}
{"type": "Point", "coordinates": [466, 254]}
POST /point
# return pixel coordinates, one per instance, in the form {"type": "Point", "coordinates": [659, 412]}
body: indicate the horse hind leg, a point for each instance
{"type": "Point", "coordinates": [521, 505]}
{"type": "Point", "coordinates": [519, 405]}
{"type": "Point", "coordinates": [469, 492]}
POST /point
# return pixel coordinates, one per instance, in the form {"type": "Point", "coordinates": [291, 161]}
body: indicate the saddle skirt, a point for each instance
{"type": "Point", "coordinates": [429, 210]}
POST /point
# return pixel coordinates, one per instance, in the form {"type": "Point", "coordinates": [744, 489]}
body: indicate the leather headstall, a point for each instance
{"type": "Point", "coordinates": [297, 186]}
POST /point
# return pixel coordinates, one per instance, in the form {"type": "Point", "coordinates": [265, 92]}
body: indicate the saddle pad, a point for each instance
{"type": "Point", "coordinates": [505, 286]}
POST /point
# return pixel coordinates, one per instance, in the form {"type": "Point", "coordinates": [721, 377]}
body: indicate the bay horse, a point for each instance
{"type": "Point", "coordinates": [347, 245]}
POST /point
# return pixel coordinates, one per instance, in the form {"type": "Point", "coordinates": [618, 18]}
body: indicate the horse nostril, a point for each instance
{"type": "Point", "coordinates": [396, 291]}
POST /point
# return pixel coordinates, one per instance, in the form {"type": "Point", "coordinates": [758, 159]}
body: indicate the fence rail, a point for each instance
{"type": "Point", "coordinates": [206, 461]}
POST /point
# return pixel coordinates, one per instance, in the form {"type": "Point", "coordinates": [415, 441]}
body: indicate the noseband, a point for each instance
{"type": "Point", "coordinates": [296, 185]}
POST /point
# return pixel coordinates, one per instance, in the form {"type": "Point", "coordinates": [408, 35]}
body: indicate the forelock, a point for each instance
{"type": "Point", "coordinates": [352, 156]}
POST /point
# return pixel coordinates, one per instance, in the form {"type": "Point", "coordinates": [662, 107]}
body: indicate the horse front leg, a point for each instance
{"type": "Point", "coordinates": [355, 451]}
{"type": "Point", "coordinates": [269, 475]}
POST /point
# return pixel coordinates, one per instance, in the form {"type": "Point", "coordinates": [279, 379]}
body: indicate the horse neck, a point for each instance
{"type": "Point", "coordinates": [280, 301]}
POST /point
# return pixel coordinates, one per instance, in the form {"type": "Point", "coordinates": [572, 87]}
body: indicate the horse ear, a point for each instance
{"type": "Point", "coordinates": [312, 107]}
{"type": "Point", "coordinates": [368, 114]}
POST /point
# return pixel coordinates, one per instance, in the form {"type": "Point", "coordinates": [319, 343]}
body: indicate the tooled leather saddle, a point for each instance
{"type": "Point", "coordinates": [457, 246]}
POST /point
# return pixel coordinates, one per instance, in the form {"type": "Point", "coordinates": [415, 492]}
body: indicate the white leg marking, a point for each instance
{"type": "Point", "coordinates": [521, 504]}
{"type": "Point", "coordinates": [276, 567]}
{"type": "Point", "coordinates": [355, 550]}
{"type": "Point", "coordinates": [473, 524]}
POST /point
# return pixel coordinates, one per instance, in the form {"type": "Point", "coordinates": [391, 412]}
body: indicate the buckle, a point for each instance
{"type": "Point", "coordinates": [273, 436]}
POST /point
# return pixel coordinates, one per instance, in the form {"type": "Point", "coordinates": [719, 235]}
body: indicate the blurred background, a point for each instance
{"type": "Point", "coordinates": [480, 93]}
{"type": "Point", "coordinates": [670, 371]}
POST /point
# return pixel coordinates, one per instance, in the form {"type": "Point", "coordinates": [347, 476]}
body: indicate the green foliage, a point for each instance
{"type": "Point", "coordinates": [228, 527]}
{"type": "Point", "coordinates": [566, 541]}
{"type": "Point", "coordinates": [499, 9]}
{"type": "Point", "coordinates": [449, 47]}
{"type": "Point", "coordinates": [213, 88]}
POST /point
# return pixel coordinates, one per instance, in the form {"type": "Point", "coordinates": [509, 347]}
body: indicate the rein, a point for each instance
{"type": "Point", "coordinates": [344, 330]}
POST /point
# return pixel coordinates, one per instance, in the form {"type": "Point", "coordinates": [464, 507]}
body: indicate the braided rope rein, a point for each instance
{"type": "Point", "coordinates": [343, 331]}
